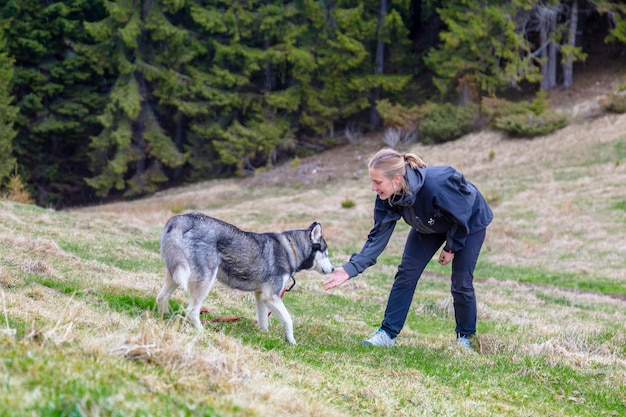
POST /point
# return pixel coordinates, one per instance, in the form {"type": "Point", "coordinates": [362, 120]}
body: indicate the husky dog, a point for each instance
{"type": "Point", "coordinates": [196, 249]}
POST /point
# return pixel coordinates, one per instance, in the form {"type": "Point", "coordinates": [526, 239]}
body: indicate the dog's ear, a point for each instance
{"type": "Point", "coordinates": [316, 232]}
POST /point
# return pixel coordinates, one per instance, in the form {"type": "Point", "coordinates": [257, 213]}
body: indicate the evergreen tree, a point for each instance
{"type": "Point", "coordinates": [181, 50]}
{"type": "Point", "coordinates": [283, 74]}
{"type": "Point", "coordinates": [237, 126]}
{"type": "Point", "coordinates": [56, 96]}
{"type": "Point", "coordinates": [343, 67]}
{"type": "Point", "coordinates": [617, 18]}
{"type": "Point", "coordinates": [131, 151]}
{"type": "Point", "coordinates": [332, 64]}
{"type": "Point", "coordinates": [393, 55]}
{"type": "Point", "coordinates": [7, 111]}
{"type": "Point", "coordinates": [129, 96]}
{"type": "Point", "coordinates": [482, 49]}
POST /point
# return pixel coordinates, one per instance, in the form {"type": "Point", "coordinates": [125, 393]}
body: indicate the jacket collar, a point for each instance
{"type": "Point", "coordinates": [415, 180]}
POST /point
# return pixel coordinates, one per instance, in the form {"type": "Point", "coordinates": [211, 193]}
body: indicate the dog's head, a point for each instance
{"type": "Point", "coordinates": [318, 260]}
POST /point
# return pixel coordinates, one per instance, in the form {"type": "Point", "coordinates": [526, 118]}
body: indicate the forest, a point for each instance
{"type": "Point", "coordinates": [103, 100]}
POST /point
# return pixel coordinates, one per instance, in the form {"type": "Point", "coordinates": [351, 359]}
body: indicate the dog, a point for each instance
{"type": "Point", "coordinates": [196, 249]}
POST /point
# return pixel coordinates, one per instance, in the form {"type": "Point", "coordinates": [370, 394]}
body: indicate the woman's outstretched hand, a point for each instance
{"type": "Point", "coordinates": [338, 277]}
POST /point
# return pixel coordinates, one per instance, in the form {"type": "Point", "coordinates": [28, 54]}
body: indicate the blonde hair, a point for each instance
{"type": "Point", "coordinates": [391, 163]}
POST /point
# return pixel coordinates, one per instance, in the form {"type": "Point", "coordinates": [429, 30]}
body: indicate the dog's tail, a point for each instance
{"type": "Point", "coordinates": [173, 251]}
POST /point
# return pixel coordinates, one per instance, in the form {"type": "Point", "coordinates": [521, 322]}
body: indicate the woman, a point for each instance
{"type": "Point", "coordinates": [443, 209]}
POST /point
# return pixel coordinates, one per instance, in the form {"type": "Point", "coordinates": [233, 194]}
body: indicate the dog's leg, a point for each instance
{"type": "Point", "coordinates": [198, 292]}
{"type": "Point", "coordinates": [280, 311]}
{"type": "Point", "coordinates": [169, 286]}
{"type": "Point", "coordinates": [261, 311]}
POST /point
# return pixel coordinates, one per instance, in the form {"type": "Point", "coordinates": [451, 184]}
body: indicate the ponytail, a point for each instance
{"type": "Point", "coordinates": [414, 161]}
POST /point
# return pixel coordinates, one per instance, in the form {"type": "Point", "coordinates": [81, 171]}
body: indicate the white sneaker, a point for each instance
{"type": "Point", "coordinates": [379, 338]}
{"type": "Point", "coordinates": [463, 343]}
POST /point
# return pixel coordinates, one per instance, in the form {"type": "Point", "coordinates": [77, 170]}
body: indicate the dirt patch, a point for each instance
{"type": "Point", "coordinates": [337, 165]}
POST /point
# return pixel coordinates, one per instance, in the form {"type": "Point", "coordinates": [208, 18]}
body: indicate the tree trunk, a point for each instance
{"type": "Point", "coordinates": [434, 26]}
{"type": "Point", "coordinates": [415, 21]}
{"type": "Point", "coordinates": [552, 51]}
{"type": "Point", "coordinates": [568, 66]}
{"type": "Point", "coordinates": [267, 84]}
{"type": "Point", "coordinates": [178, 140]}
{"type": "Point", "coordinates": [543, 38]}
{"type": "Point", "coordinates": [547, 21]}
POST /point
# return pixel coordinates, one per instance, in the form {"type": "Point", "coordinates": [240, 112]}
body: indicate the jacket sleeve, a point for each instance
{"type": "Point", "coordinates": [457, 201]}
{"type": "Point", "coordinates": [384, 224]}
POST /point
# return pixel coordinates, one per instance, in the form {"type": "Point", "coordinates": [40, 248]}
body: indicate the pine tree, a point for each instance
{"type": "Point", "coordinates": [331, 64]}
{"type": "Point", "coordinates": [131, 152]}
{"type": "Point", "coordinates": [482, 49]}
{"type": "Point", "coordinates": [617, 18]}
{"type": "Point", "coordinates": [55, 93]}
{"type": "Point", "coordinates": [339, 87]}
{"type": "Point", "coordinates": [236, 128]}
{"type": "Point", "coordinates": [7, 111]}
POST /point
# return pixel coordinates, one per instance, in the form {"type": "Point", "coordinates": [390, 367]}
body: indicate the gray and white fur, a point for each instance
{"type": "Point", "coordinates": [196, 249]}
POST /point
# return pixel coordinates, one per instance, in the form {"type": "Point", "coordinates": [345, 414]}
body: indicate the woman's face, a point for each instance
{"type": "Point", "coordinates": [385, 187]}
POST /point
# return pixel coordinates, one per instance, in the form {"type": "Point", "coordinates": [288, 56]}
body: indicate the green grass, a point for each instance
{"type": "Point", "coordinates": [524, 382]}
{"type": "Point", "coordinates": [110, 254]}
{"type": "Point", "coordinates": [539, 276]}
{"type": "Point", "coordinates": [619, 150]}
{"type": "Point", "coordinates": [71, 379]}
{"type": "Point", "coordinates": [66, 381]}
{"type": "Point", "coordinates": [620, 206]}
{"type": "Point", "coordinates": [61, 286]}
{"type": "Point", "coordinates": [133, 304]}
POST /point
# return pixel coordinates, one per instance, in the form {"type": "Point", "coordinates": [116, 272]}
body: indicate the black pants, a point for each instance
{"type": "Point", "coordinates": [418, 251]}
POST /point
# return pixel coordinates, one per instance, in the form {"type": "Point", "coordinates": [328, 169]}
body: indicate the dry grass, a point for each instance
{"type": "Point", "coordinates": [551, 221]}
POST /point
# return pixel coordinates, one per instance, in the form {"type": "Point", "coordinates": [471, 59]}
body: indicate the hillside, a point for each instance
{"type": "Point", "coordinates": [80, 335]}
{"type": "Point", "coordinates": [560, 196]}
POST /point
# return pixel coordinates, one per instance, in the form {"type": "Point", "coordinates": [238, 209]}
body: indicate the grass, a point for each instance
{"type": "Point", "coordinates": [534, 275]}
{"type": "Point", "coordinates": [80, 335]}
{"type": "Point", "coordinates": [70, 382]}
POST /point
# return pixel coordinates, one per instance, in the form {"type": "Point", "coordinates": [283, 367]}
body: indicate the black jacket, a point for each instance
{"type": "Point", "coordinates": [440, 201]}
